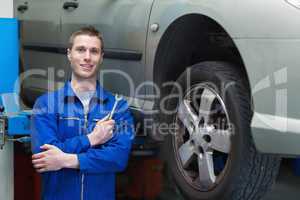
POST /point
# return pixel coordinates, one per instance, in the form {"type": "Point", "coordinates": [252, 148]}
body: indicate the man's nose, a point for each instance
{"type": "Point", "coordinates": [87, 55]}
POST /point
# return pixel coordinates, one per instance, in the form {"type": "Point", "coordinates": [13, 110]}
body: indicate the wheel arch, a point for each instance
{"type": "Point", "coordinates": [190, 39]}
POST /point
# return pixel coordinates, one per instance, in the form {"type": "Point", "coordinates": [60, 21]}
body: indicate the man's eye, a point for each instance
{"type": "Point", "coordinates": [81, 50]}
{"type": "Point", "coordinates": [95, 51]}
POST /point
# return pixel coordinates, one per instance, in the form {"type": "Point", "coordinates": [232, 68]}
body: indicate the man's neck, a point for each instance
{"type": "Point", "coordinates": [83, 85]}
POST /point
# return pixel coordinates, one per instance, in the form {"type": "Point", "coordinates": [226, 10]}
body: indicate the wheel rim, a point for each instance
{"type": "Point", "coordinates": [202, 142]}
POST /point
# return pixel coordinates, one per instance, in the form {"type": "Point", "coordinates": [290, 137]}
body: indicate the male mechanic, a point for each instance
{"type": "Point", "coordinates": [76, 148]}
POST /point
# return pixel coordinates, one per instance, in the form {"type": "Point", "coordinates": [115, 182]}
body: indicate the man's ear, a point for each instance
{"type": "Point", "coordinates": [101, 59]}
{"type": "Point", "coordinates": [69, 54]}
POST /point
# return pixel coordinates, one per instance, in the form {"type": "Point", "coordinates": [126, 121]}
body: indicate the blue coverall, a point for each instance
{"type": "Point", "coordinates": [58, 119]}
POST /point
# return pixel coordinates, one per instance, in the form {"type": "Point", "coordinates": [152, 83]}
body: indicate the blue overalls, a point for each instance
{"type": "Point", "coordinates": [58, 119]}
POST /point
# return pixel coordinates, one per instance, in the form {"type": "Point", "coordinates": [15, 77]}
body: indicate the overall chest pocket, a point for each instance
{"type": "Point", "coordinates": [92, 124]}
{"type": "Point", "coordinates": [96, 119]}
{"type": "Point", "coordinates": [69, 126]}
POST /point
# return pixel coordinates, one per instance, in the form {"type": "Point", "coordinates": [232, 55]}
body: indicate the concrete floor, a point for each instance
{"type": "Point", "coordinates": [287, 186]}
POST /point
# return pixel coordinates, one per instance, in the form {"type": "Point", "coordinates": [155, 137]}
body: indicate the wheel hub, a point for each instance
{"type": "Point", "coordinates": [201, 137]}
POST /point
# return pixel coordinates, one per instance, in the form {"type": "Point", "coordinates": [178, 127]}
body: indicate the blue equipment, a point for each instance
{"type": "Point", "coordinates": [13, 121]}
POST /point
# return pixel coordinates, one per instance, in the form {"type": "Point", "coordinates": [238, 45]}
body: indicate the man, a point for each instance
{"type": "Point", "coordinates": [76, 152]}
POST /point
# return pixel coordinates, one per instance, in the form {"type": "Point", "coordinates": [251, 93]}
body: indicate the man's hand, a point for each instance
{"type": "Point", "coordinates": [51, 159]}
{"type": "Point", "coordinates": [102, 132]}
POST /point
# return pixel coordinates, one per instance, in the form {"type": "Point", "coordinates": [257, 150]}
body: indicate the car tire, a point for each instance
{"type": "Point", "coordinates": [210, 152]}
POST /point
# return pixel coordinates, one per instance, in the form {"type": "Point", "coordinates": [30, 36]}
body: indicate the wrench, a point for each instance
{"type": "Point", "coordinates": [110, 115]}
{"type": "Point", "coordinates": [117, 99]}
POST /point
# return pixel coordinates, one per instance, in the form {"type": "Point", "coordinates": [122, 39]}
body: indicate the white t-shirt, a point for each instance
{"type": "Point", "coordinates": [85, 98]}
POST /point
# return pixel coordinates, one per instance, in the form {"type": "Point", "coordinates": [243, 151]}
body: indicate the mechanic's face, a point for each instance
{"type": "Point", "coordinates": [85, 56]}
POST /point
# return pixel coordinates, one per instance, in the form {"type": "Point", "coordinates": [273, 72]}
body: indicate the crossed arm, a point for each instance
{"type": "Point", "coordinates": [52, 158]}
{"type": "Point", "coordinates": [78, 152]}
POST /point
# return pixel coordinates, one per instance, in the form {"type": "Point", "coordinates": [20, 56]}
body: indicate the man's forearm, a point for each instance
{"type": "Point", "coordinates": [70, 161]}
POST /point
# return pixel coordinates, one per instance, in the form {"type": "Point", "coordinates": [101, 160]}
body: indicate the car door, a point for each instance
{"type": "Point", "coordinates": [40, 21]}
{"type": "Point", "coordinates": [124, 25]}
{"type": "Point", "coordinates": [39, 34]}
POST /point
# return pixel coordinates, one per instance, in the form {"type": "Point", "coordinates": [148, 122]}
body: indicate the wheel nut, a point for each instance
{"type": "Point", "coordinates": [207, 138]}
{"type": "Point", "coordinates": [192, 142]}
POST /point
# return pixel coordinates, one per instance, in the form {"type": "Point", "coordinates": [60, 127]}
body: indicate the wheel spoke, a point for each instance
{"type": "Point", "coordinates": [207, 98]}
{"type": "Point", "coordinates": [206, 169]}
{"type": "Point", "coordinates": [221, 140]}
{"type": "Point", "coordinates": [186, 153]}
{"type": "Point", "coordinates": [187, 116]}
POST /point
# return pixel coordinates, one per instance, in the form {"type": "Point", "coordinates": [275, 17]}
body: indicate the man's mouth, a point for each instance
{"type": "Point", "coordinates": [87, 67]}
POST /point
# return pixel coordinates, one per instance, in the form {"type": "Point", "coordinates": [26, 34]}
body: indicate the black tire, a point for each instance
{"type": "Point", "coordinates": [246, 173]}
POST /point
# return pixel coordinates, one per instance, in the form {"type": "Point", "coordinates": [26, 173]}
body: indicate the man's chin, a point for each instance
{"type": "Point", "coordinates": [86, 75]}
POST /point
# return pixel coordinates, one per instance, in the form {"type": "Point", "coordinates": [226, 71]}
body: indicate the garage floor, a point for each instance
{"type": "Point", "coordinates": [287, 186]}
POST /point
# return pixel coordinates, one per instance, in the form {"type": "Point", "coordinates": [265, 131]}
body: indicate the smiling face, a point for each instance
{"type": "Point", "coordinates": [85, 55]}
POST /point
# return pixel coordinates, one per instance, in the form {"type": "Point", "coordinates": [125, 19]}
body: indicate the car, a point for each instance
{"type": "Point", "coordinates": [214, 84]}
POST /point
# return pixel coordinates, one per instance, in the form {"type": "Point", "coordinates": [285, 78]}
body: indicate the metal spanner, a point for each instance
{"type": "Point", "coordinates": [111, 113]}
{"type": "Point", "coordinates": [117, 99]}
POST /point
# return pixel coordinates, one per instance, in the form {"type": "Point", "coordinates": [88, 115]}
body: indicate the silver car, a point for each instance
{"type": "Point", "coordinates": [214, 81]}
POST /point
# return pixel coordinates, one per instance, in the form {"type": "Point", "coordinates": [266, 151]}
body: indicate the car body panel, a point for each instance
{"type": "Point", "coordinates": [40, 22]}
{"type": "Point", "coordinates": [273, 68]}
{"type": "Point", "coordinates": [267, 50]}
{"type": "Point", "coordinates": [39, 28]}
{"type": "Point", "coordinates": [236, 23]}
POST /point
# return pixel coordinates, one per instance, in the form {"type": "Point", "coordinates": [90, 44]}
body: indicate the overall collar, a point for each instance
{"type": "Point", "coordinates": [100, 95]}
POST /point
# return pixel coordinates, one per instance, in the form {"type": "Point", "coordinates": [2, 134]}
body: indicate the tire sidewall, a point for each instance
{"type": "Point", "coordinates": [218, 75]}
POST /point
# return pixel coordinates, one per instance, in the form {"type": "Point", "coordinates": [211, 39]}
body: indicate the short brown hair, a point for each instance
{"type": "Point", "coordinates": [87, 30]}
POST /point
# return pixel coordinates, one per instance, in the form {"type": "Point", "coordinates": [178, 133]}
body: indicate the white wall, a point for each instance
{"type": "Point", "coordinates": [6, 154]}
{"type": "Point", "coordinates": [6, 172]}
{"type": "Point", "coordinates": [6, 8]}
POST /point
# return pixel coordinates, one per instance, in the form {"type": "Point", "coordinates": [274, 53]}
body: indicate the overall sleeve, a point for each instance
{"type": "Point", "coordinates": [112, 156]}
{"type": "Point", "coordinates": [44, 130]}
